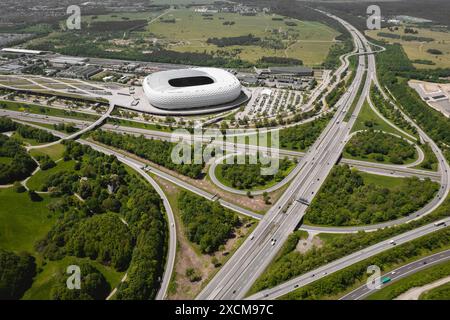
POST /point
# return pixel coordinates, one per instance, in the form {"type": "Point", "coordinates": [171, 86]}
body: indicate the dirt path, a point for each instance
{"type": "Point", "coordinates": [414, 293]}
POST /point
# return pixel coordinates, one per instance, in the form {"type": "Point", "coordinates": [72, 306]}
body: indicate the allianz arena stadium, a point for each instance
{"type": "Point", "coordinates": [194, 91]}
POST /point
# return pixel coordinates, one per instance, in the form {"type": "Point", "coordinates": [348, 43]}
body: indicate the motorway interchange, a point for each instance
{"type": "Point", "coordinates": [240, 272]}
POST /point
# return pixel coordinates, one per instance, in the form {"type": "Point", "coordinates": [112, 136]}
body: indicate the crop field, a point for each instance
{"type": "Point", "coordinates": [137, 35]}
{"type": "Point", "coordinates": [307, 41]}
{"type": "Point", "coordinates": [417, 50]}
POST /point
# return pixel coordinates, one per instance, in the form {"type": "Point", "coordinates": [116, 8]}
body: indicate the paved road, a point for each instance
{"type": "Point", "coordinates": [313, 229]}
{"type": "Point", "coordinates": [363, 254]}
{"type": "Point", "coordinates": [344, 262]}
{"type": "Point", "coordinates": [374, 168]}
{"type": "Point", "coordinates": [250, 260]}
{"type": "Point", "coordinates": [80, 132]}
{"type": "Point", "coordinates": [171, 218]}
{"type": "Point", "coordinates": [205, 194]}
{"type": "Point", "coordinates": [399, 273]}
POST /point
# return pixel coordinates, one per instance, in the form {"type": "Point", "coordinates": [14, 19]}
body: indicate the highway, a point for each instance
{"type": "Point", "coordinates": [369, 167]}
{"type": "Point", "coordinates": [364, 166]}
{"type": "Point", "coordinates": [239, 273]}
{"type": "Point", "coordinates": [82, 131]}
{"type": "Point", "coordinates": [399, 273]}
{"type": "Point", "coordinates": [302, 280]}
{"type": "Point", "coordinates": [346, 261]}
{"type": "Point", "coordinates": [250, 260]}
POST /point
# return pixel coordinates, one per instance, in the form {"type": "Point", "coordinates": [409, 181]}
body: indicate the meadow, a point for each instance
{"type": "Point", "coordinates": [417, 50]}
{"type": "Point", "coordinates": [307, 41]}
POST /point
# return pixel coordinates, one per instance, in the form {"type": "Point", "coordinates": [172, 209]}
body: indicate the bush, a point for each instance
{"type": "Point", "coordinates": [156, 151]}
{"type": "Point", "coordinates": [208, 224]}
{"type": "Point", "coordinates": [93, 285]}
{"type": "Point", "coordinates": [19, 188]}
{"type": "Point", "coordinates": [193, 275]}
{"type": "Point", "coordinates": [21, 166]}
{"type": "Point", "coordinates": [16, 274]}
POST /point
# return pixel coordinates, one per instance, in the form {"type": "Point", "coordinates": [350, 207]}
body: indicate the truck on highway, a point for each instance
{"type": "Point", "coordinates": [385, 280]}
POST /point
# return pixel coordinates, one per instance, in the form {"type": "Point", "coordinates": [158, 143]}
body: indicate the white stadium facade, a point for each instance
{"type": "Point", "coordinates": [193, 91]}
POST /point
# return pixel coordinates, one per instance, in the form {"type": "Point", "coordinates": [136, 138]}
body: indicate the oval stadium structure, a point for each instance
{"type": "Point", "coordinates": [195, 88]}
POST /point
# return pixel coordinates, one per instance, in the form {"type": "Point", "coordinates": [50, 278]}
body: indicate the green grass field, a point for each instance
{"type": "Point", "coordinates": [368, 115]}
{"type": "Point", "coordinates": [418, 50]}
{"type": "Point", "coordinates": [55, 151]}
{"type": "Point", "coordinates": [308, 41]}
{"type": "Point", "coordinates": [37, 181]}
{"type": "Point", "coordinates": [382, 181]}
{"type": "Point", "coordinates": [23, 222]}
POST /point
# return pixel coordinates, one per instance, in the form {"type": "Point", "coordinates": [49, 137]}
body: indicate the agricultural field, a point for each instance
{"type": "Point", "coordinates": [418, 50]}
{"type": "Point", "coordinates": [148, 36]}
{"type": "Point", "coordinates": [307, 41]}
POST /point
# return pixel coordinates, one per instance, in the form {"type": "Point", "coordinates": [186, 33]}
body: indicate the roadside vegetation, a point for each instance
{"type": "Point", "coordinates": [36, 109]}
{"type": "Point", "coordinates": [156, 151]}
{"type": "Point", "coordinates": [439, 293]}
{"type": "Point", "coordinates": [301, 137]}
{"type": "Point", "coordinates": [336, 51]}
{"type": "Point", "coordinates": [292, 263]}
{"type": "Point", "coordinates": [208, 224]}
{"type": "Point", "coordinates": [343, 281]}
{"type": "Point", "coordinates": [417, 279]}
{"type": "Point", "coordinates": [395, 69]}
{"type": "Point", "coordinates": [380, 147]}
{"type": "Point", "coordinates": [346, 199]}
{"type": "Point", "coordinates": [389, 112]}
{"type": "Point", "coordinates": [430, 162]}
{"type": "Point", "coordinates": [248, 176]}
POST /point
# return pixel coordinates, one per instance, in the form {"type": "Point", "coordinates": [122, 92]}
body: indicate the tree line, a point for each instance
{"type": "Point", "coordinates": [389, 112]}
{"type": "Point", "coordinates": [25, 131]}
{"type": "Point", "coordinates": [303, 136]}
{"type": "Point", "coordinates": [247, 40]}
{"type": "Point", "coordinates": [341, 281]}
{"type": "Point", "coordinates": [156, 151]}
